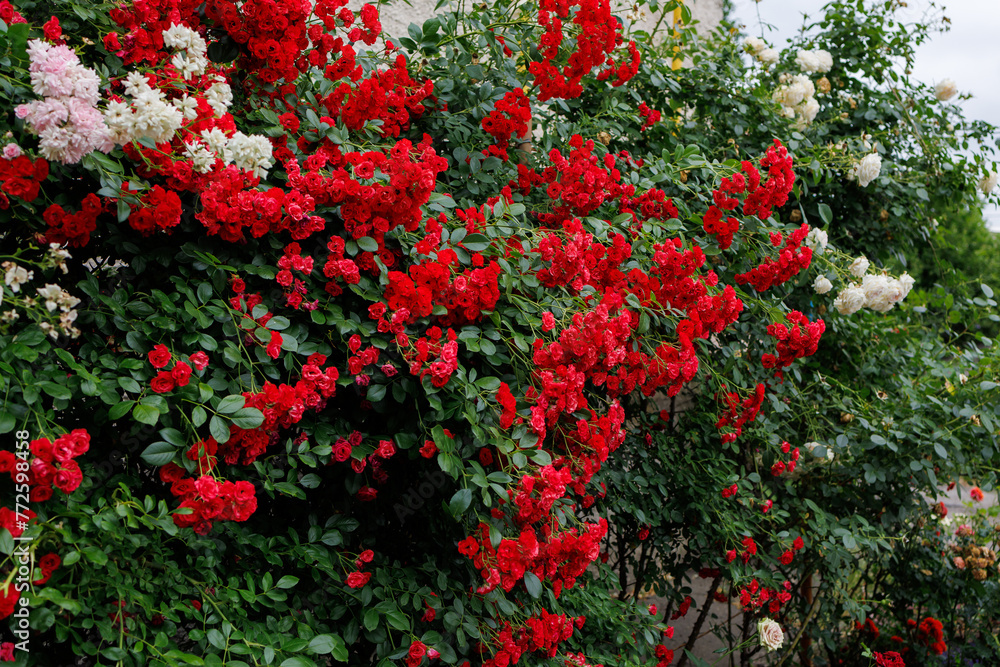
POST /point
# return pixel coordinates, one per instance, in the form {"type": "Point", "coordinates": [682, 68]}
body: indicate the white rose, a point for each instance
{"type": "Point", "coordinates": [868, 169]}
{"type": "Point", "coordinates": [906, 282]}
{"type": "Point", "coordinates": [850, 300]}
{"type": "Point", "coordinates": [945, 90]}
{"type": "Point", "coordinates": [988, 182]}
{"type": "Point", "coordinates": [859, 266]}
{"type": "Point", "coordinates": [754, 45]}
{"type": "Point", "coordinates": [807, 60]}
{"type": "Point", "coordinates": [769, 634]}
{"type": "Point", "coordinates": [817, 240]}
{"type": "Point", "coordinates": [822, 285]}
{"type": "Point", "coordinates": [878, 292]}
{"type": "Point", "coordinates": [825, 60]}
{"type": "Point", "coordinates": [768, 56]}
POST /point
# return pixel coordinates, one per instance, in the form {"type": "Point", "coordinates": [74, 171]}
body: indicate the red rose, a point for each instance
{"type": "Point", "coordinates": [199, 360]}
{"type": "Point", "coordinates": [289, 121]}
{"type": "Point", "coordinates": [358, 579]}
{"type": "Point", "coordinates": [7, 461]}
{"type": "Point", "coordinates": [171, 472]}
{"type": "Point", "coordinates": [385, 449]}
{"type": "Point", "coordinates": [162, 383]}
{"type": "Point", "coordinates": [341, 450]}
{"type": "Point", "coordinates": [417, 652]}
{"type": "Point", "coordinates": [181, 374]}
{"type": "Point", "coordinates": [366, 494]}
{"type": "Point", "coordinates": [111, 42]}
{"type": "Point", "coordinates": [429, 449]}
{"type": "Point", "coordinates": [274, 347]}
{"type": "Point", "coordinates": [159, 356]}
{"type": "Point", "coordinates": [52, 30]}
{"type": "Point", "coordinates": [49, 562]}
{"type": "Point", "coordinates": [39, 494]}
{"type": "Point", "coordinates": [69, 477]}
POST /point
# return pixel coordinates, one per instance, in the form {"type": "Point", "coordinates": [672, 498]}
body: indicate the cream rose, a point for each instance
{"type": "Point", "coordinates": [822, 285]}
{"type": "Point", "coordinates": [868, 169]}
{"type": "Point", "coordinates": [850, 300]}
{"type": "Point", "coordinates": [859, 266]}
{"type": "Point", "coordinates": [769, 634]}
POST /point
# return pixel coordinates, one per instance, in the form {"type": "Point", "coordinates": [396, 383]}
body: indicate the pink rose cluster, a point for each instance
{"type": "Point", "coordinates": [66, 118]}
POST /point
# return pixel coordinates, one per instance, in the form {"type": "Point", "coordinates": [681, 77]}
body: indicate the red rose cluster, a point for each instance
{"type": "Point", "coordinates": [208, 499]}
{"type": "Point", "coordinates": [157, 210]}
{"type": "Point", "coordinates": [54, 465]}
{"type": "Point", "coordinates": [754, 596]}
{"type": "Point", "coordinates": [930, 633]}
{"type": "Point", "coordinates": [358, 578]}
{"type": "Point", "coordinates": [542, 633]}
{"type": "Point", "coordinates": [799, 340]}
{"type": "Point", "coordinates": [598, 36]}
{"type": "Point", "coordinates": [509, 118]}
{"type": "Point", "coordinates": [283, 405]}
{"type": "Point", "coordinates": [888, 659]}
{"type": "Point", "coordinates": [792, 259]}
{"type": "Point", "coordinates": [73, 228]}
{"type": "Point", "coordinates": [179, 375]}
{"type": "Point", "coordinates": [649, 116]}
{"type": "Point", "coordinates": [21, 177]}
{"type": "Point", "coordinates": [737, 413]}
{"type": "Point", "coordinates": [9, 15]}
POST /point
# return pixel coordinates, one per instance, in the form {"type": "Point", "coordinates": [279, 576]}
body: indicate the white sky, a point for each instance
{"type": "Point", "coordinates": [969, 53]}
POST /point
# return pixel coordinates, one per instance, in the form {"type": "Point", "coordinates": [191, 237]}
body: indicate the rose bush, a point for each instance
{"type": "Point", "coordinates": [329, 345]}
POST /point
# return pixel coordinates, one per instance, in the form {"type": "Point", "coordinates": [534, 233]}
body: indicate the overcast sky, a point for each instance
{"type": "Point", "coordinates": [969, 53]}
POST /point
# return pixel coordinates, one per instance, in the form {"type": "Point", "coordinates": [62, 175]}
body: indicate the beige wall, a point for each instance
{"type": "Point", "coordinates": [397, 15]}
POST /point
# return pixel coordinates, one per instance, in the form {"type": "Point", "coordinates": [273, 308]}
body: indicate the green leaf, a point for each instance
{"type": "Point", "coordinates": [298, 661]}
{"type": "Point", "coordinates": [287, 581]}
{"type": "Point", "coordinates": [323, 644]}
{"type": "Point", "coordinates": [159, 453]}
{"type": "Point", "coordinates": [219, 429]}
{"type": "Point", "coordinates": [460, 502]}
{"type": "Point", "coordinates": [368, 243]}
{"type": "Point", "coordinates": [231, 404]}
{"type": "Point", "coordinates": [56, 390]}
{"type": "Point", "coordinates": [248, 418]}
{"type": "Point", "coordinates": [825, 213]}
{"type": "Point", "coordinates": [987, 290]}
{"type": "Point", "coordinates": [371, 619]}
{"type": "Point", "coordinates": [145, 414]}
{"type": "Point", "coordinates": [199, 416]}
{"type": "Point", "coordinates": [532, 584]}
{"type": "Point", "coordinates": [120, 409]}
{"type": "Point", "coordinates": [7, 422]}
{"type": "Point", "coordinates": [95, 555]}
{"type": "Point", "coordinates": [476, 243]}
